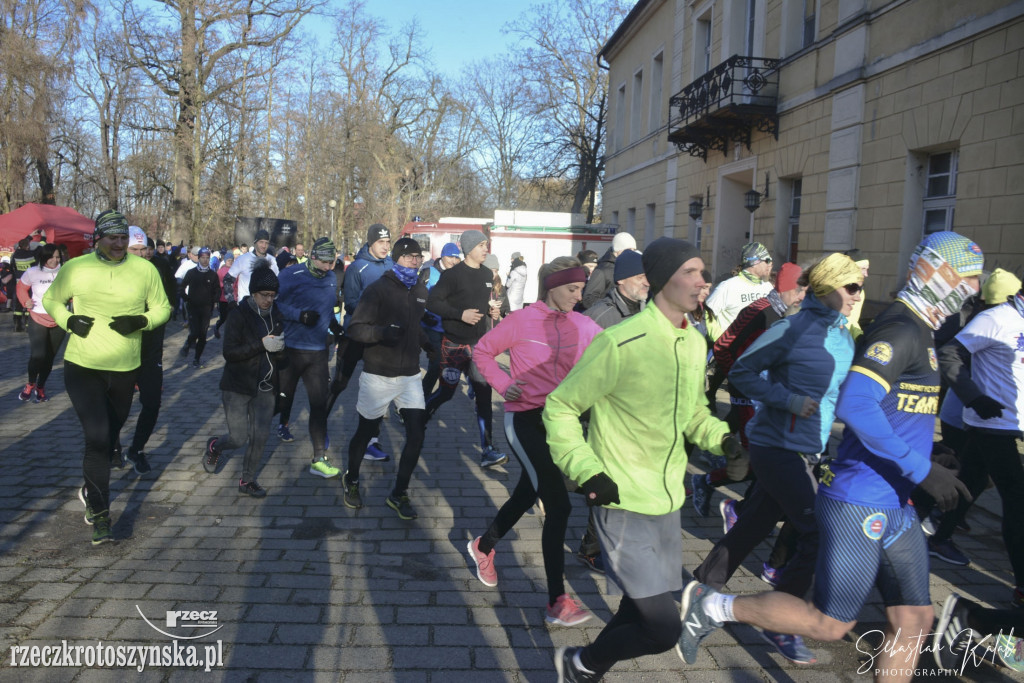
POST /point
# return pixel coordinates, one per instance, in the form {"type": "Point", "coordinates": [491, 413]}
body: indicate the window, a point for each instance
{"type": "Point", "coordinates": [649, 224]}
{"type": "Point", "coordinates": [657, 71]}
{"type": "Point", "coordinates": [631, 221]}
{"type": "Point", "coordinates": [635, 117]}
{"type": "Point", "coordinates": [940, 192]}
{"type": "Point", "coordinates": [615, 218]}
{"type": "Point", "coordinates": [702, 46]}
{"type": "Point", "coordinates": [794, 219]}
{"type": "Point", "coordinates": [620, 118]}
{"type": "Point", "coordinates": [809, 22]}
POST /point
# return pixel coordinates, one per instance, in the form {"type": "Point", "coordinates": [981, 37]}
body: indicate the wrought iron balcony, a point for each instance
{"type": "Point", "coordinates": [724, 105]}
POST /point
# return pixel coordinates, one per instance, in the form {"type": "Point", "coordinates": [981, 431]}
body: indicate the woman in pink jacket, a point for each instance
{"type": "Point", "coordinates": [544, 341]}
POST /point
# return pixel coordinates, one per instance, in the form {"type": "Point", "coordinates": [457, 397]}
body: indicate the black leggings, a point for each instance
{"type": "Point", "coordinates": [198, 324]}
{"type": "Point", "coordinates": [415, 421]}
{"type": "Point", "coordinates": [224, 308]}
{"type": "Point", "coordinates": [150, 380]}
{"type": "Point", "coordinates": [539, 478]}
{"type": "Point", "coordinates": [313, 368]}
{"type": "Point", "coordinates": [642, 626]}
{"type": "Point", "coordinates": [101, 399]}
{"type": "Point", "coordinates": [44, 343]}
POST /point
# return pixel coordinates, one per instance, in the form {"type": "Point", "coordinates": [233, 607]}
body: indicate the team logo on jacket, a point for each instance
{"type": "Point", "coordinates": [880, 352]}
{"type": "Point", "coordinates": [932, 360]}
{"type": "Point", "coordinates": [874, 526]}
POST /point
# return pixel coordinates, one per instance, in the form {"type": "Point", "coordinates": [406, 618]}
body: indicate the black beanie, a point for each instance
{"type": "Point", "coordinates": [662, 259]}
{"type": "Point", "coordinates": [376, 232]}
{"type": "Point", "coordinates": [404, 246]}
{"type": "Point", "coordinates": [261, 235]}
{"type": "Point", "coordinates": [263, 278]}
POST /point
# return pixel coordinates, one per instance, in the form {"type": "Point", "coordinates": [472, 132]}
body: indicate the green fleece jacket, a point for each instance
{"type": "Point", "coordinates": [643, 382]}
{"type": "Point", "coordinates": [102, 290]}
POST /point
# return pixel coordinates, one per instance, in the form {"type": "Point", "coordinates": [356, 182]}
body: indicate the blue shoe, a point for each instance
{"type": "Point", "coordinates": [284, 433]}
{"type": "Point", "coordinates": [790, 647]}
{"type": "Point", "coordinates": [696, 624]}
{"type": "Point", "coordinates": [727, 508]}
{"type": "Point", "coordinates": [702, 492]}
{"type": "Point", "coordinates": [770, 574]}
{"type": "Point", "coordinates": [375, 454]}
{"type": "Point", "coordinates": [492, 458]}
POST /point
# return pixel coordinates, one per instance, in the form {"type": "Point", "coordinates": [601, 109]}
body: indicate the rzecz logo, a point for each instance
{"type": "Point", "coordinates": [186, 619]}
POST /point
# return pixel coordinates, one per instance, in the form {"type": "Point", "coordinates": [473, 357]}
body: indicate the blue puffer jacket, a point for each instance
{"type": "Point", "coordinates": [807, 354]}
{"type": "Point", "coordinates": [300, 291]}
{"type": "Point", "coordinates": [362, 273]}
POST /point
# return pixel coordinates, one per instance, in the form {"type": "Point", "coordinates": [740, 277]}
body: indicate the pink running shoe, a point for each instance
{"type": "Point", "coordinates": [728, 510]}
{"type": "Point", "coordinates": [566, 612]}
{"type": "Point", "coordinates": [485, 570]}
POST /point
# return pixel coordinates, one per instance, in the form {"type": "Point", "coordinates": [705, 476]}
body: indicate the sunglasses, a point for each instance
{"type": "Point", "coordinates": [767, 259]}
{"type": "Point", "coordinates": [853, 288]}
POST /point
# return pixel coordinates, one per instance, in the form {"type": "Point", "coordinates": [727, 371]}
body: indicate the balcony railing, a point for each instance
{"type": "Point", "coordinates": [724, 105]}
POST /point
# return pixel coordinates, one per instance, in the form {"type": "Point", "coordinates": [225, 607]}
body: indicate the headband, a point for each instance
{"type": "Point", "coordinates": [565, 277]}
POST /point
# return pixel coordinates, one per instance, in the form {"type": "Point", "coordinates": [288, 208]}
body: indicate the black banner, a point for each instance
{"type": "Point", "coordinates": [283, 232]}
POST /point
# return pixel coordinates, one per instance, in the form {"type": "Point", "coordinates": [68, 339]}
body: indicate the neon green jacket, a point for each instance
{"type": "Point", "coordinates": [643, 381]}
{"type": "Point", "coordinates": [102, 290]}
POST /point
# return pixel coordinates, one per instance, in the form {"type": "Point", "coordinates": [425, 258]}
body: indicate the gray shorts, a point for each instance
{"type": "Point", "coordinates": [643, 554]}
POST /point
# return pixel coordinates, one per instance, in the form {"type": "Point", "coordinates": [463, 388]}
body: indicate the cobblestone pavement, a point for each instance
{"type": "Point", "coordinates": [306, 589]}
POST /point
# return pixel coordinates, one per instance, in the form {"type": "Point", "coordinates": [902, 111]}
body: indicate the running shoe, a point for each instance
{"type": "Point", "coordinates": [1011, 651]}
{"type": "Point", "coordinates": [702, 493]}
{"type": "Point", "coordinates": [953, 637]}
{"type": "Point", "coordinates": [696, 624]}
{"type": "Point", "coordinates": [211, 456]}
{"type": "Point", "coordinates": [594, 563]}
{"type": "Point", "coordinates": [284, 433]}
{"type": "Point", "coordinates": [770, 575]}
{"type": "Point", "coordinates": [948, 552]}
{"type": "Point", "coordinates": [375, 454]}
{"type": "Point", "coordinates": [26, 393]}
{"type": "Point", "coordinates": [568, 672]}
{"type": "Point", "coordinates": [83, 495]}
{"type": "Point", "coordinates": [566, 612]}
{"type": "Point", "coordinates": [402, 506]}
{"type": "Point", "coordinates": [727, 508]}
{"type": "Point", "coordinates": [790, 647]}
{"type": "Point", "coordinates": [251, 488]}
{"type": "Point", "coordinates": [492, 458]}
{"type": "Point", "coordinates": [352, 498]}
{"type": "Point", "coordinates": [198, 363]}
{"type": "Point", "coordinates": [323, 468]}
{"type": "Point", "coordinates": [41, 396]}
{"type": "Point", "coordinates": [139, 462]}
{"type": "Point", "coordinates": [101, 528]}
{"type": "Point", "coordinates": [117, 459]}
{"type": "Point", "coordinates": [485, 570]}
{"type": "Point", "coordinates": [930, 524]}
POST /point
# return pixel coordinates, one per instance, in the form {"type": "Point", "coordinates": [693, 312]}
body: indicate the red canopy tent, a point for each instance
{"type": "Point", "coordinates": [60, 224]}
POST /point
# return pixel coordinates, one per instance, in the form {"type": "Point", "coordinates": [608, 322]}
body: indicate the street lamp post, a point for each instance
{"type": "Point", "coordinates": [332, 204]}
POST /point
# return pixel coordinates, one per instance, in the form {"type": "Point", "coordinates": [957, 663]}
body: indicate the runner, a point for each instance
{"type": "Point", "coordinates": [44, 335]}
{"type": "Point", "coordinates": [747, 286]}
{"type": "Point", "coordinates": [200, 289]}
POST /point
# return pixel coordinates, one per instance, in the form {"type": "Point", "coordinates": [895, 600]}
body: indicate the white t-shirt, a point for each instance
{"type": "Point", "coordinates": [733, 295]}
{"type": "Point", "coordinates": [38, 280]}
{"type": "Point", "coordinates": [186, 265]}
{"type": "Point", "coordinates": [995, 339]}
{"type": "Point", "coordinates": [241, 270]}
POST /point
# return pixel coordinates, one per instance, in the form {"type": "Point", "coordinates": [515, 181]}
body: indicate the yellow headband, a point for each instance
{"type": "Point", "coordinates": [833, 272]}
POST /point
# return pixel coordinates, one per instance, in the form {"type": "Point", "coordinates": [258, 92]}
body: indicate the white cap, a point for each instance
{"type": "Point", "coordinates": [623, 241]}
{"type": "Point", "coordinates": [136, 238]}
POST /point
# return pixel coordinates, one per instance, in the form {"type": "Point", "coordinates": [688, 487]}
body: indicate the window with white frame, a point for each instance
{"type": "Point", "coordinates": [635, 116]}
{"type": "Point", "coordinates": [702, 45]}
{"type": "Point", "coordinates": [794, 219]}
{"type": "Point", "coordinates": [810, 26]}
{"type": "Point", "coordinates": [939, 192]}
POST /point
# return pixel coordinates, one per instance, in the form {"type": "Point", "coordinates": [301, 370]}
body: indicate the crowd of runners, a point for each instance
{"type": "Point", "coordinates": [609, 391]}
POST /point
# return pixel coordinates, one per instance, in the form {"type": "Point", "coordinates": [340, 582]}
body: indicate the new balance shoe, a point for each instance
{"type": "Point", "coordinates": [402, 506]}
{"type": "Point", "coordinates": [374, 453]}
{"type": "Point", "coordinates": [953, 637]}
{"type": "Point", "coordinates": [485, 570]}
{"type": "Point", "coordinates": [770, 574]}
{"type": "Point", "coordinates": [41, 396]}
{"type": "Point", "coordinates": [83, 495]}
{"type": "Point", "coordinates": [702, 492]}
{"type": "Point", "coordinates": [696, 624]}
{"type": "Point", "coordinates": [284, 433]}
{"type": "Point", "coordinates": [790, 647]}
{"type": "Point", "coordinates": [492, 458]}
{"type": "Point", "coordinates": [211, 456]}
{"type": "Point", "coordinates": [26, 393]}
{"type": "Point", "coordinates": [727, 508]}
{"type": "Point", "coordinates": [594, 563]}
{"type": "Point", "coordinates": [101, 528]}
{"type": "Point", "coordinates": [138, 461]}
{"type": "Point", "coordinates": [568, 671]}
{"type": "Point", "coordinates": [323, 468]}
{"type": "Point", "coordinates": [947, 552]}
{"type": "Point", "coordinates": [251, 488]}
{"type": "Point", "coordinates": [566, 612]}
{"type": "Point", "coordinates": [352, 498]}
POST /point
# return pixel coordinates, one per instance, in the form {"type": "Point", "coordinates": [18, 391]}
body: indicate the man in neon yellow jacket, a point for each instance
{"type": "Point", "coordinates": [115, 296]}
{"type": "Point", "coordinates": [643, 382]}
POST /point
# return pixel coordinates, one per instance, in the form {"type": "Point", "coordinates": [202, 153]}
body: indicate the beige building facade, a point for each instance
{"type": "Point", "coordinates": [857, 124]}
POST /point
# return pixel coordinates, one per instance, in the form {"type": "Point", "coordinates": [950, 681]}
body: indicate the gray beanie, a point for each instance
{"type": "Point", "coordinates": [662, 259]}
{"type": "Point", "coordinates": [470, 239]}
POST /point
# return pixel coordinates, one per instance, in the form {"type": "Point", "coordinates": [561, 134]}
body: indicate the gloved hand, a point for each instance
{"type": "Point", "coordinates": [80, 325]}
{"type": "Point", "coordinates": [273, 344]}
{"type": "Point", "coordinates": [942, 485]}
{"type": "Point", "coordinates": [126, 324]}
{"type": "Point", "coordinates": [737, 461]}
{"type": "Point", "coordinates": [600, 490]}
{"type": "Point", "coordinates": [945, 456]}
{"type": "Point", "coordinates": [309, 318]}
{"type": "Point", "coordinates": [428, 347]}
{"type": "Point", "coordinates": [390, 335]}
{"type": "Point", "coordinates": [986, 407]}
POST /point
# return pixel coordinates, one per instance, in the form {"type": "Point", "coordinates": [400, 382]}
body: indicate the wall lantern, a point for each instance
{"type": "Point", "coordinates": [752, 198]}
{"type": "Point", "coordinates": [697, 206]}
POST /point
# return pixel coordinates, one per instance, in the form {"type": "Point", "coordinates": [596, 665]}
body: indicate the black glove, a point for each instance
{"type": "Point", "coordinates": [986, 408]}
{"type": "Point", "coordinates": [942, 485]}
{"type": "Point", "coordinates": [80, 325]}
{"type": "Point", "coordinates": [737, 461]}
{"type": "Point", "coordinates": [390, 335]}
{"type": "Point", "coordinates": [126, 324]}
{"type": "Point", "coordinates": [600, 490]}
{"type": "Point", "coordinates": [428, 347]}
{"type": "Point", "coordinates": [309, 318]}
{"type": "Point", "coordinates": [945, 456]}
